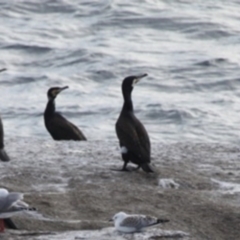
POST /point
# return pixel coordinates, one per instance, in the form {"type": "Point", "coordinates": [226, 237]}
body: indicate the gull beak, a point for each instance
{"type": "Point", "coordinates": [110, 220]}
{"type": "Point", "coordinates": [138, 78]}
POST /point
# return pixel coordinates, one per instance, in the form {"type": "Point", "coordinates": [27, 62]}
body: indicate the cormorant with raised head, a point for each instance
{"type": "Point", "coordinates": [58, 126]}
{"type": "Point", "coordinates": [133, 137]}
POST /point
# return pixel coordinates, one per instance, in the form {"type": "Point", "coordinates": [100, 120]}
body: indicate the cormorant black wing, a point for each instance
{"type": "Point", "coordinates": [1, 134]}
{"type": "Point", "coordinates": [134, 137]}
{"type": "Point", "coordinates": [3, 155]}
{"type": "Point", "coordinates": [61, 129]}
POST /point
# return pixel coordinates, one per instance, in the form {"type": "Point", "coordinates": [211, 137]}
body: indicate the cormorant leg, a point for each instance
{"type": "Point", "coordinates": [136, 169]}
{"type": "Point", "coordinates": [124, 168]}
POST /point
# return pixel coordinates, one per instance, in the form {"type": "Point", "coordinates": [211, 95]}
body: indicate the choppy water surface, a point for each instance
{"type": "Point", "coordinates": [189, 49]}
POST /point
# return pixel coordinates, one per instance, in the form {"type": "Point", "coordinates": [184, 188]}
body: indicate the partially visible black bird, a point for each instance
{"type": "Point", "coordinates": [58, 126]}
{"type": "Point", "coordinates": [133, 137]}
{"type": "Point", "coordinates": [3, 155]}
{"type": "Point", "coordinates": [9, 223]}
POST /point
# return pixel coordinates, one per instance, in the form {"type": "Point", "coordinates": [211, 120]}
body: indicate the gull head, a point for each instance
{"type": "Point", "coordinates": [118, 217]}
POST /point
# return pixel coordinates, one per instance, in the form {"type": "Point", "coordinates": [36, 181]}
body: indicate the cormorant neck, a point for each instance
{"type": "Point", "coordinates": [50, 109]}
{"type": "Point", "coordinates": [127, 105]}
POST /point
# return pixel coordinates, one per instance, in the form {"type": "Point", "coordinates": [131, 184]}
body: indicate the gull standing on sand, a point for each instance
{"type": "Point", "coordinates": [127, 223]}
{"type": "Point", "coordinates": [11, 204]}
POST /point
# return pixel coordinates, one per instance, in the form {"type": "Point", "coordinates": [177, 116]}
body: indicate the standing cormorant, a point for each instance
{"type": "Point", "coordinates": [133, 137]}
{"type": "Point", "coordinates": [3, 155]}
{"type": "Point", "coordinates": [58, 126]}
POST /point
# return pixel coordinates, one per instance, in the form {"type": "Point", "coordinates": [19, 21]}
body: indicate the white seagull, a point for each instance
{"type": "Point", "coordinates": [11, 204]}
{"type": "Point", "coordinates": [134, 223]}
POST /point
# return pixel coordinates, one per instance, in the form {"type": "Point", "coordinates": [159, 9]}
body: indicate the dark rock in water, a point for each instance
{"type": "Point", "coordinates": [71, 185]}
{"type": "Point", "coordinates": [212, 62]}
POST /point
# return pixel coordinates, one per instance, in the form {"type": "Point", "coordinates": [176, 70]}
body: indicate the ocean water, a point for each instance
{"type": "Point", "coordinates": [190, 50]}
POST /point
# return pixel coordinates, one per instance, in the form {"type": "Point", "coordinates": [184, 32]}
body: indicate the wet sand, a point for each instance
{"type": "Point", "coordinates": [71, 185]}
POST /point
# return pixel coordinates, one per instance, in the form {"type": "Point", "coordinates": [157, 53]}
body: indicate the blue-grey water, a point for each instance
{"type": "Point", "coordinates": [190, 49]}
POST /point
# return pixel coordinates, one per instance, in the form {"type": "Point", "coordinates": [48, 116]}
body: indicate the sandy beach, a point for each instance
{"type": "Point", "coordinates": [196, 187]}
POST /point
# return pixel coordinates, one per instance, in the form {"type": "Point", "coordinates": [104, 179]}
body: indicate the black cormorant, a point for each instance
{"type": "Point", "coordinates": [133, 137]}
{"type": "Point", "coordinates": [58, 126]}
{"type": "Point", "coordinates": [3, 155]}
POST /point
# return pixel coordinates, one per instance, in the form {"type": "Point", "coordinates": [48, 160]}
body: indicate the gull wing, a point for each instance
{"type": "Point", "coordinates": [139, 221]}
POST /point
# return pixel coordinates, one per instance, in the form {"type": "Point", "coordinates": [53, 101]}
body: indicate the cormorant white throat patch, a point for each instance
{"type": "Point", "coordinates": [136, 80]}
{"type": "Point", "coordinates": [124, 150]}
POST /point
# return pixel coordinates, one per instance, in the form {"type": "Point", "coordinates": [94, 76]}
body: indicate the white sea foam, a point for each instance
{"type": "Point", "coordinates": [227, 187]}
{"type": "Point", "coordinates": [167, 183]}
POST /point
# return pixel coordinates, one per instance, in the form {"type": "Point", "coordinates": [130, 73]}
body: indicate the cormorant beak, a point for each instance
{"type": "Point", "coordinates": [138, 78]}
{"type": "Point", "coordinates": [3, 69]}
{"type": "Point", "coordinates": [63, 88]}
{"type": "Point", "coordinates": [55, 92]}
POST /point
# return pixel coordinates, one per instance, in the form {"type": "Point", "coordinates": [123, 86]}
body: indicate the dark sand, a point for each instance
{"type": "Point", "coordinates": [71, 185]}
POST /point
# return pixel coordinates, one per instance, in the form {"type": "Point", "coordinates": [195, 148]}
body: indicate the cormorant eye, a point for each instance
{"type": "Point", "coordinates": [54, 92]}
